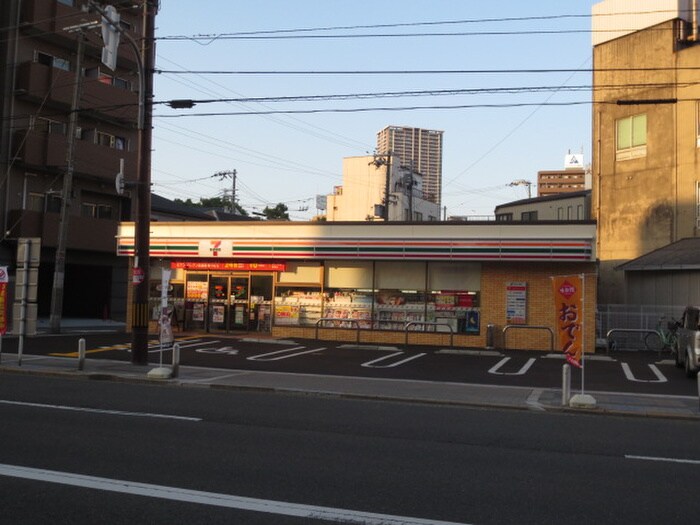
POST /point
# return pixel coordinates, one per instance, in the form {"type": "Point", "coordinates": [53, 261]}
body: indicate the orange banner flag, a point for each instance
{"type": "Point", "coordinates": [568, 293]}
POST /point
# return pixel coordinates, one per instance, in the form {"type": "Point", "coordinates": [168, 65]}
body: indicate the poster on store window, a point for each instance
{"type": "Point", "coordinates": [198, 312]}
{"type": "Point", "coordinates": [217, 313]}
{"type": "Point", "coordinates": [516, 303]}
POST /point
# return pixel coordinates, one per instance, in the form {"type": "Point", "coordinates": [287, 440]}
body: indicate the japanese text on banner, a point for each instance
{"type": "Point", "coordinates": [569, 316]}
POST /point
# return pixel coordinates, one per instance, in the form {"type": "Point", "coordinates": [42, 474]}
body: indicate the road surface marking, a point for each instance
{"type": "Point", "coordinates": [371, 364]}
{"type": "Point", "coordinates": [669, 460]}
{"type": "Point", "coordinates": [98, 410]}
{"type": "Point", "coordinates": [286, 354]}
{"type": "Point", "coordinates": [660, 378]}
{"type": "Point", "coordinates": [282, 508]}
{"type": "Point", "coordinates": [533, 400]}
{"type": "Point", "coordinates": [494, 369]}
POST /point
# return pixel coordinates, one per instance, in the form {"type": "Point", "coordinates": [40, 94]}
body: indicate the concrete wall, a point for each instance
{"type": "Point", "coordinates": [649, 201]}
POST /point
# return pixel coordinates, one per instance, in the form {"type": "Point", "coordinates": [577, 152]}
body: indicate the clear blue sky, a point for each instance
{"type": "Point", "coordinates": [293, 158]}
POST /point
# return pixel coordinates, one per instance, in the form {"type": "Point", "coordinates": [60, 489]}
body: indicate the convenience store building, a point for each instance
{"type": "Point", "coordinates": [430, 283]}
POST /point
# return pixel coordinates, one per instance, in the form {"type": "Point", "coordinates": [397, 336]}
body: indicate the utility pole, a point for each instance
{"type": "Point", "coordinates": [225, 175]}
{"type": "Point", "coordinates": [60, 262]}
{"type": "Point", "coordinates": [139, 325]}
{"type": "Point", "coordinates": [384, 159]}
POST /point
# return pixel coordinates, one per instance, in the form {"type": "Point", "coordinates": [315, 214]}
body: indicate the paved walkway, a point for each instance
{"type": "Point", "coordinates": [536, 399]}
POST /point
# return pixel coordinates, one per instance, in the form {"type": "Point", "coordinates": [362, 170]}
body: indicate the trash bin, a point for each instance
{"type": "Point", "coordinates": [489, 336]}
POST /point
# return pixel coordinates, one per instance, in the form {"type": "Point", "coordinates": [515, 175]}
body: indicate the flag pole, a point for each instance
{"type": "Point", "coordinates": [583, 331]}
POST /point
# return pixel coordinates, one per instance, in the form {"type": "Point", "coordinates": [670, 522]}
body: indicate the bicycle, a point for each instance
{"type": "Point", "coordinates": [663, 338]}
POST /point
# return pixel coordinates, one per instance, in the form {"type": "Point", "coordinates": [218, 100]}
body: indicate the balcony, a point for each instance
{"type": "Point", "coordinates": [38, 82]}
{"type": "Point", "coordinates": [84, 233]}
{"type": "Point", "coordinates": [44, 150]}
{"type": "Point", "coordinates": [47, 19]}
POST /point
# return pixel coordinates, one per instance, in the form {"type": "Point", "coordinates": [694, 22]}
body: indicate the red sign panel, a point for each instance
{"type": "Point", "coordinates": [229, 266]}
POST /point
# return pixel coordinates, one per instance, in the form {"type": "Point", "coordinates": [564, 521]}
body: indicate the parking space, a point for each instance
{"type": "Point", "coordinates": [639, 372]}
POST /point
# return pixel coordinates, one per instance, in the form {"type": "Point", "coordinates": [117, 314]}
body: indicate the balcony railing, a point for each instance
{"type": "Point", "coordinates": [45, 150]}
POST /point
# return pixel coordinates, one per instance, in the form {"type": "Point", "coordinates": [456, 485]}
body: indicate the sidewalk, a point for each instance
{"type": "Point", "coordinates": [524, 398]}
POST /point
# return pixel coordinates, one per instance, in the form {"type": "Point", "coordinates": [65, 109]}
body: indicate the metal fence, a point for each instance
{"type": "Point", "coordinates": [636, 317]}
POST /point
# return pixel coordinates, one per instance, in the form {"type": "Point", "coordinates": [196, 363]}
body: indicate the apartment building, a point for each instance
{"type": "Point", "coordinates": [419, 150]}
{"type": "Point", "coordinates": [41, 71]}
{"type": "Point", "coordinates": [364, 190]}
{"type": "Point", "coordinates": [646, 134]}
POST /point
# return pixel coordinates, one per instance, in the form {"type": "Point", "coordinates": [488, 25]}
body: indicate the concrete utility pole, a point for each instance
{"type": "Point", "coordinates": [384, 159]}
{"type": "Point", "coordinates": [60, 262]}
{"type": "Point", "coordinates": [139, 345]}
{"type": "Point", "coordinates": [225, 175]}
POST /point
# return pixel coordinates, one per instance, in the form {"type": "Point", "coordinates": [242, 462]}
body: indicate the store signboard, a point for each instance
{"type": "Point", "coordinates": [197, 290]}
{"type": "Point", "coordinates": [516, 302]}
{"type": "Point", "coordinates": [228, 266]}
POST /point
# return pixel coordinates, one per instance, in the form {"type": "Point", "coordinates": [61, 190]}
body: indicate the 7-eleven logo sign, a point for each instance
{"type": "Point", "coordinates": [567, 289]}
{"type": "Point", "coordinates": [215, 248]}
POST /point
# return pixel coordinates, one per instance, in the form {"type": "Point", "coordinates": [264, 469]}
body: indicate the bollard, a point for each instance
{"type": "Point", "coordinates": [81, 353]}
{"type": "Point", "coordinates": [176, 359]}
{"type": "Point", "coordinates": [565, 385]}
{"type": "Point", "coordinates": [489, 336]}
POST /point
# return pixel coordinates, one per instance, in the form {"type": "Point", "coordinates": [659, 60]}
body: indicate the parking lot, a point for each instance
{"type": "Point", "coordinates": [629, 372]}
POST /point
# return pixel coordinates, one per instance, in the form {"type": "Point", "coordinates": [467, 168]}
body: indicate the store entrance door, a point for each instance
{"type": "Point", "coordinates": [260, 318]}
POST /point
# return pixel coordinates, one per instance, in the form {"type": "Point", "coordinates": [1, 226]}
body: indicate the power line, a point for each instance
{"type": "Point", "coordinates": [280, 33]}
{"type": "Point", "coordinates": [426, 71]}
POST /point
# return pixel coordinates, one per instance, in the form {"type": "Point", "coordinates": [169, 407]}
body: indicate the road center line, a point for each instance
{"type": "Point", "coordinates": [669, 460]}
{"type": "Point", "coordinates": [214, 499]}
{"type": "Point", "coordinates": [98, 410]}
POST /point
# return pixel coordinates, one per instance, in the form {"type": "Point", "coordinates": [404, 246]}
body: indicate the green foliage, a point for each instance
{"type": "Point", "coordinates": [278, 213]}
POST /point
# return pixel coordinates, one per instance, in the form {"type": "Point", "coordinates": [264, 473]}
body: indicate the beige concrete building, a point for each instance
{"type": "Point", "coordinates": [417, 149]}
{"type": "Point", "coordinates": [362, 195]}
{"type": "Point", "coordinates": [646, 132]}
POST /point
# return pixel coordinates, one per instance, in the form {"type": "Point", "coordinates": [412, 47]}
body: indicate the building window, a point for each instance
{"type": "Point", "coordinates": [52, 61]}
{"type": "Point", "coordinates": [504, 217]}
{"type": "Point", "coordinates": [528, 216]}
{"type": "Point", "coordinates": [560, 213]}
{"type": "Point", "coordinates": [569, 213]}
{"type": "Point", "coordinates": [107, 78]}
{"type": "Point", "coordinates": [53, 202]}
{"type": "Point", "coordinates": [111, 141]}
{"type": "Point", "coordinates": [46, 125]}
{"type": "Point", "coordinates": [96, 211]}
{"type": "Point", "coordinates": [67, 2]}
{"type": "Point", "coordinates": [631, 137]}
{"type": "Point", "coordinates": [579, 212]}
{"type": "Point", "coordinates": [35, 202]}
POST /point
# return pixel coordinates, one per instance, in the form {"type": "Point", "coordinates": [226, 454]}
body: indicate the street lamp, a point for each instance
{"type": "Point", "coordinates": [145, 59]}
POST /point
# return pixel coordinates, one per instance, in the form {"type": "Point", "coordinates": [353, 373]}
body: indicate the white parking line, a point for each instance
{"type": "Point", "coordinates": [371, 364]}
{"type": "Point", "coordinates": [282, 508]}
{"type": "Point", "coordinates": [668, 460]}
{"type": "Point", "coordinates": [98, 410]}
{"type": "Point", "coordinates": [660, 378]}
{"type": "Point", "coordinates": [495, 369]}
{"type": "Point", "coordinates": [286, 354]}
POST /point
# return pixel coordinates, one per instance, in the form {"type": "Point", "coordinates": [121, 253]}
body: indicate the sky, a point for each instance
{"type": "Point", "coordinates": [461, 62]}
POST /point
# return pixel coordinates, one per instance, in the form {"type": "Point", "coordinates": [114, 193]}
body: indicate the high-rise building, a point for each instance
{"type": "Point", "coordinates": [47, 76]}
{"type": "Point", "coordinates": [419, 150]}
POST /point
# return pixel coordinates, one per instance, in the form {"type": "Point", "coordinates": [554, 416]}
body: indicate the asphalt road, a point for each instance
{"type": "Point", "coordinates": [630, 372]}
{"type": "Point", "coordinates": [181, 454]}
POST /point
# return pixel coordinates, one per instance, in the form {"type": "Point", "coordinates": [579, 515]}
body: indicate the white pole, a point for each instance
{"type": "Point", "coordinates": [565, 384]}
{"type": "Point", "coordinates": [81, 353]}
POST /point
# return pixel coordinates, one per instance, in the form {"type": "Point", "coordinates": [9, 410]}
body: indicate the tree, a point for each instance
{"type": "Point", "coordinates": [219, 203]}
{"type": "Point", "coordinates": [279, 213]}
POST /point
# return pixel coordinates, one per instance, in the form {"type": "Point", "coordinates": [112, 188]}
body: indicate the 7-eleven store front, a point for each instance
{"type": "Point", "coordinates": [434, 283]}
